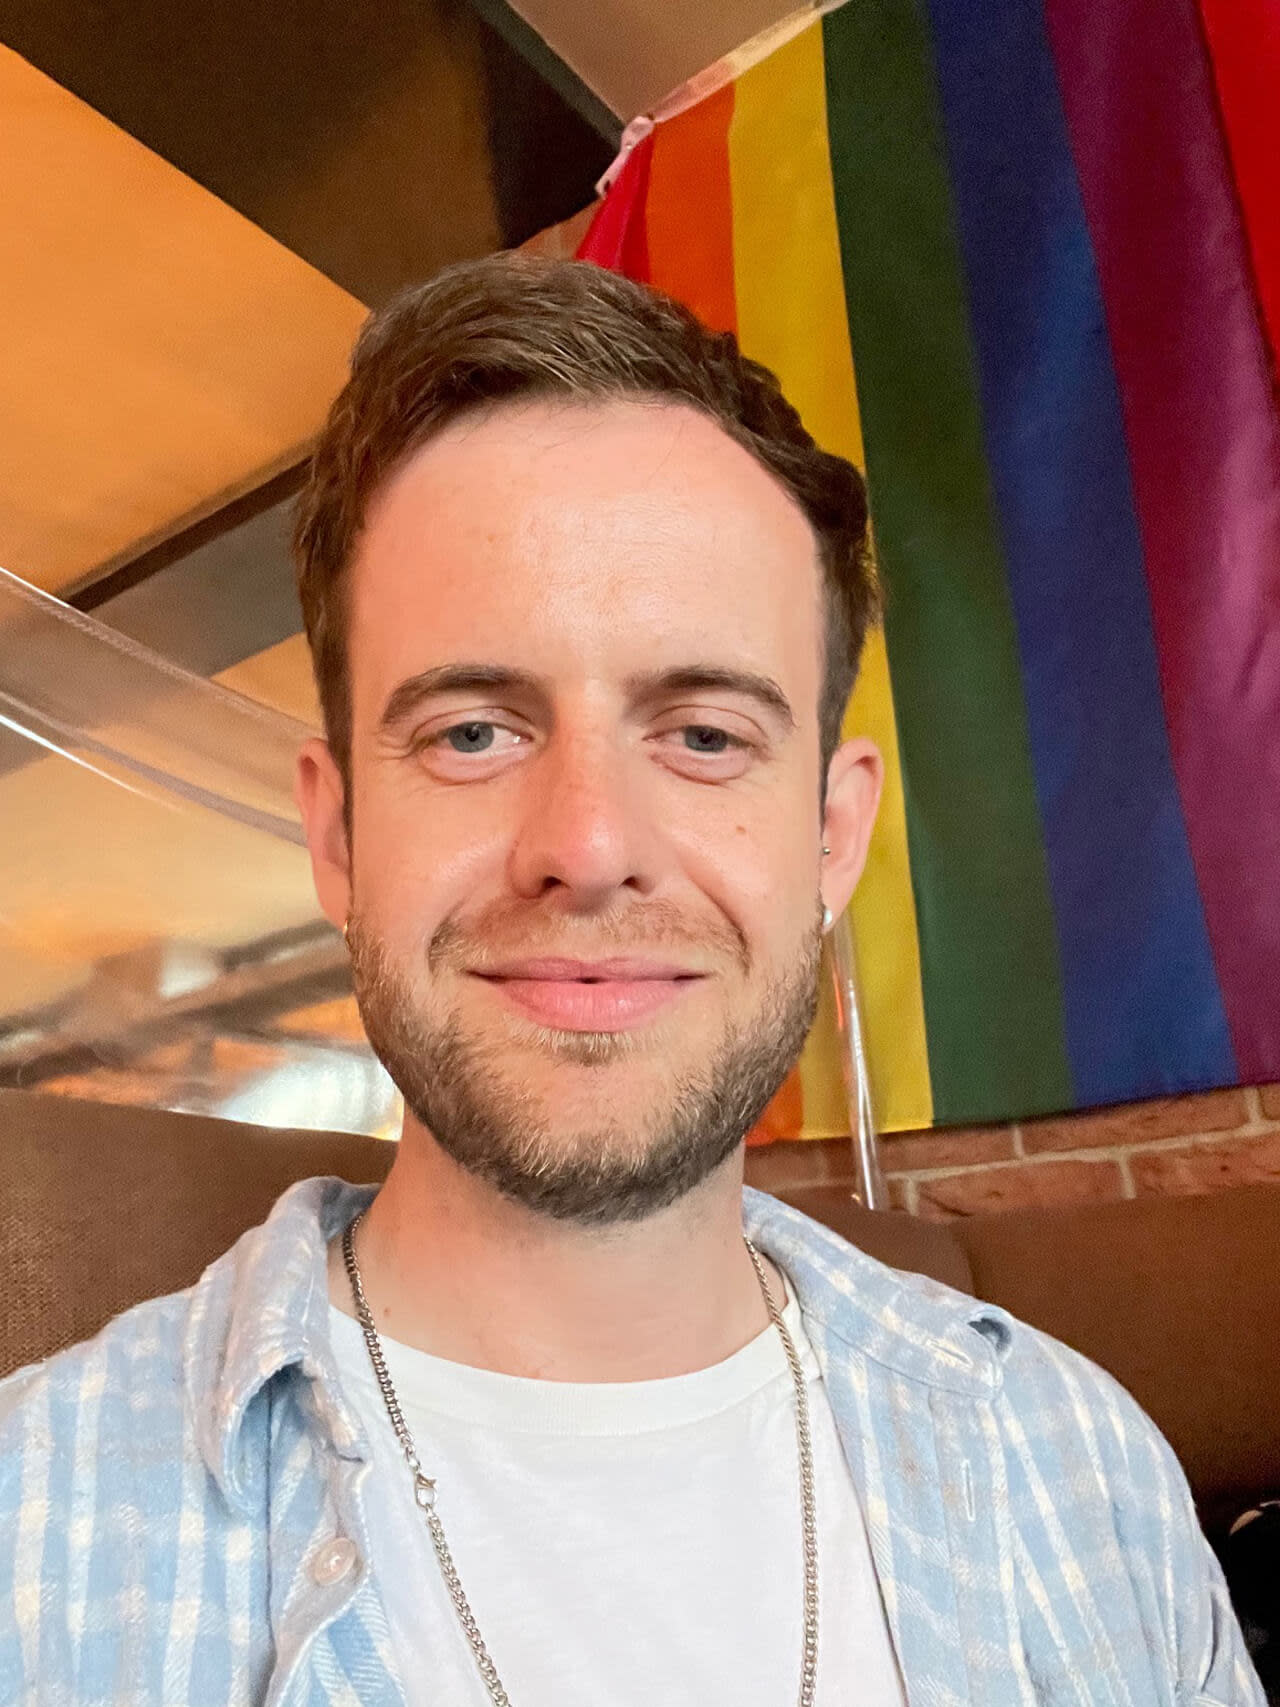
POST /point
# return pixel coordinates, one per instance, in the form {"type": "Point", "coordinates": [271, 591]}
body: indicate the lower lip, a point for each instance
{"type": "Point", "coordinates": [614, 1004]}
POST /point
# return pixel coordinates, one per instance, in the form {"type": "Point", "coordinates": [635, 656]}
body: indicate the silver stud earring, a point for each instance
{"type": "Point", "coordinates": [825, 852]}
{"type": "Point", "coordinates": [827, 917]}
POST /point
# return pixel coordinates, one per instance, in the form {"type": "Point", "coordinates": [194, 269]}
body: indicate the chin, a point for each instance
{"type": "Point", "coordinates": [660, 1045]}
{"type": "Point", "coordinates": [580, 1076]}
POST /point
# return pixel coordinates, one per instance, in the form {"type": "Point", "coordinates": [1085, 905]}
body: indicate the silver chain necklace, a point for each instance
{"type": "Point", "coordinates": [424, 1488]}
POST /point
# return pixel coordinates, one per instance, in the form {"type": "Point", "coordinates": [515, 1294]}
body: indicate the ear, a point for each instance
{"type": "Point", "coordinates": [855, 777]}
{"type": "Point", "coordinates": [320, 795]}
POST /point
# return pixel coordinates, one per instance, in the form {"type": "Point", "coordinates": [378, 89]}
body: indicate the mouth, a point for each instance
{"type": "Point", "coordinates": [590, 995]}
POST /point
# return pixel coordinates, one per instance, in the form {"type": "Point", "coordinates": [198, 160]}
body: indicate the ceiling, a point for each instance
{"type": "Point", "coordinates": [632, 52]}
{"type": "Point", "coordinates": [160, 350]}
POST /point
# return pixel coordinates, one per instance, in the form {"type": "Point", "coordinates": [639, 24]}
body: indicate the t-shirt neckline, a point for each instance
{"type": "Point", "coordinates": [433, 1386]}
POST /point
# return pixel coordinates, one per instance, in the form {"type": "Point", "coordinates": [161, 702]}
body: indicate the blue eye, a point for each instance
{"type": "Point", "coordinates": [470, 737]}
{"type": "Point", "coordinates": [700, 738]}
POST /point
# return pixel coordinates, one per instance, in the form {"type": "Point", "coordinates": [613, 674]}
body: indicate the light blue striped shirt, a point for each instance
{"type": "Point", "coordinates": [171, 1491]}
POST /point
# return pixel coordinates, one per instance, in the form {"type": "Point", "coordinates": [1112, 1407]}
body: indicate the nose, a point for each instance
{"type": "Point", "coordinates": [585, 828]}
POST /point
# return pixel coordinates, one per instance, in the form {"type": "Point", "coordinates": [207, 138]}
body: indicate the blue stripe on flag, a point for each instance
{"type": "Point", "coordinates": [1142, 1006]}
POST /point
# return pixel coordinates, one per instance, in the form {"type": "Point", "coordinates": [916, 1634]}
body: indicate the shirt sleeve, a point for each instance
{"type": "Point", "coordinates": [1210, 1660]}
{"type": "Point", "coordinates": [1193, 1635]}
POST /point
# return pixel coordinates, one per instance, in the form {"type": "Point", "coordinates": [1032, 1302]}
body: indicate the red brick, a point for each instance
{"type": "Point", "coordinates": [797, 1162]}
{"type": "Point", "coordinates": [1138, 1122]}
{"type": "Point", "coordinates": [1022, 1186]}
{"type": "Point", "coordinates": [1270, 1095]}
{"type": "Point", "coordinates": [1206, 1167]}
{"type": "Point", "coordinates": [945, 1147]}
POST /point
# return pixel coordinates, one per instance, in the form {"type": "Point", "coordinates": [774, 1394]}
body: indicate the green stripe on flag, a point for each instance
{"type": "Point", "coordinates": [992, 987]}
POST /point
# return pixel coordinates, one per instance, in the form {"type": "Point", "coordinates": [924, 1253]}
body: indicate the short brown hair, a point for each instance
{"type": "Point", "coordinates": [513, 327]}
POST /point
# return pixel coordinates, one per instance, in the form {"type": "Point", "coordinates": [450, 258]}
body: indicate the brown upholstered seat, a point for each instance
{"type": "Point", "coordinates": [103, 1206]}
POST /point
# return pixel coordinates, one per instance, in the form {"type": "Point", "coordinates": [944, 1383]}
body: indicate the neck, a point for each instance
{"type": "Point", "coordinates": [453, 1268]}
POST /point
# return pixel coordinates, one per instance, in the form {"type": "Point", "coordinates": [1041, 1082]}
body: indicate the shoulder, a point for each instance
{"type": "Point", "coordinates": [1091, 1483]}
{"type": "Point", "coordinates": [113, 1396]}
{"type": "Point", "coordinates": [98, 1456]}
{"type": "Point", "coordinates": [902, 1316]}
{"type": "Point", "coordinates": [1043, 1393]}
{"type": "Point", "coordinates": [1046, 1390]}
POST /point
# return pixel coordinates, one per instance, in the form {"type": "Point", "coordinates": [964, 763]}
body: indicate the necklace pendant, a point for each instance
{"type": "Point", "coordinates": [424, 1491]}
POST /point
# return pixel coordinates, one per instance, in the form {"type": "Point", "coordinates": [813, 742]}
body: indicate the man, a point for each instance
{"type": "Point", "coordinates": [537, 1423]}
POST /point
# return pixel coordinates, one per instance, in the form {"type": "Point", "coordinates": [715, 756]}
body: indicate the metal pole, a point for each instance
{"type": "Point", "coordinates": [869, 1186]}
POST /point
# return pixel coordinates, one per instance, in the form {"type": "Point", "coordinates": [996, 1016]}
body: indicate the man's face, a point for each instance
{"type": "Point", "coordinates": [585, 879]}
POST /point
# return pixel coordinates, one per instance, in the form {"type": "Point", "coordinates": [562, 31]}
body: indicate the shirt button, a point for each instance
{"type": "Point", "coordinates": [335, 1560]}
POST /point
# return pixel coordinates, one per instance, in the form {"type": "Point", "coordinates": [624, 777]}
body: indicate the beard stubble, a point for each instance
{"type": "Point", "coordinates": [609, 1172]}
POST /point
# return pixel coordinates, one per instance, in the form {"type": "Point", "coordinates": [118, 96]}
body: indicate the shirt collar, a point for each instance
{"type": "Point", "coordinates": [263, 1308]}
{"type": "Point", "coordinates": [906, 1322]}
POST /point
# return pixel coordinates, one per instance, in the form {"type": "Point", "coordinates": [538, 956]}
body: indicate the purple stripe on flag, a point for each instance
{"type": "Point", "coordinates": [1204, 449]}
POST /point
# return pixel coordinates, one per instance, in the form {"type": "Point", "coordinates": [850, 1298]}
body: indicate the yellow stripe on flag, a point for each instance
{"type": "Point", "coordinates": [791, 317]}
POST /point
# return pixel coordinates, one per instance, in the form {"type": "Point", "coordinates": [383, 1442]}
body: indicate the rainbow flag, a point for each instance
{"type": "Point", "coordinates": [1028, 255]}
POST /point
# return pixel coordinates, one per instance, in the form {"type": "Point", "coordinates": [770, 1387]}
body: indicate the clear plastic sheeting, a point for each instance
{"type": "Point", "coordinates": [74, 687]}
{"type": "Point", "coordinates": [160, 942]}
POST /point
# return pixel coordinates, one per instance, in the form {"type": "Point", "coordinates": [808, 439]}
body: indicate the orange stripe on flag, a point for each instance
{"type": "Point", "coordinates": [689, 214]}
{"type": "Point", "coordinates": [784, 1116]}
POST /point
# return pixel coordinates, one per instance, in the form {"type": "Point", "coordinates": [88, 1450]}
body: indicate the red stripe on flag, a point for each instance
{"type": "Point", "coordinates": [1244, 44]}
{"type": "Point", "coordinates": [616, 236]}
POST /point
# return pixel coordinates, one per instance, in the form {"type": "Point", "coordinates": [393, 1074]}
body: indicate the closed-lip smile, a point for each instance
{"type": "Point", "coordinates": [558, 968]}
{"type": "Point", "coordinates": [567, 994]}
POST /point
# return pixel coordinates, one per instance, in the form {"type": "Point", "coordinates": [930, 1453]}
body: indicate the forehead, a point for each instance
{"type": "Point", "coordinates": [582, 538]}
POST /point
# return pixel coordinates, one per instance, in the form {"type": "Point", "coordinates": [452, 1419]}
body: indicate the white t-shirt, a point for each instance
{"type": "Point", "coordinates": [629, 1544]}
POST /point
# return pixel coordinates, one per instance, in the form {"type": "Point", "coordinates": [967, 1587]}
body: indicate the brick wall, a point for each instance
{"type": "Point", "coordinates": [1171, 1146]}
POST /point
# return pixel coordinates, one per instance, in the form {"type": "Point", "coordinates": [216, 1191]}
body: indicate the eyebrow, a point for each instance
{"type": "Point", "coordinates": [643, 687]}
{"type": "Point", "coordinates": [454, 678]}
{"type": "Point", "coordinates": [713, 678]}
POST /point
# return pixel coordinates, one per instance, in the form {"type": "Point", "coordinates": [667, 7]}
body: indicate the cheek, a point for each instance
{"type": "Point", "coordinates": [756, 868]}
{"type": "Point", "coordinates": [417, 861]}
